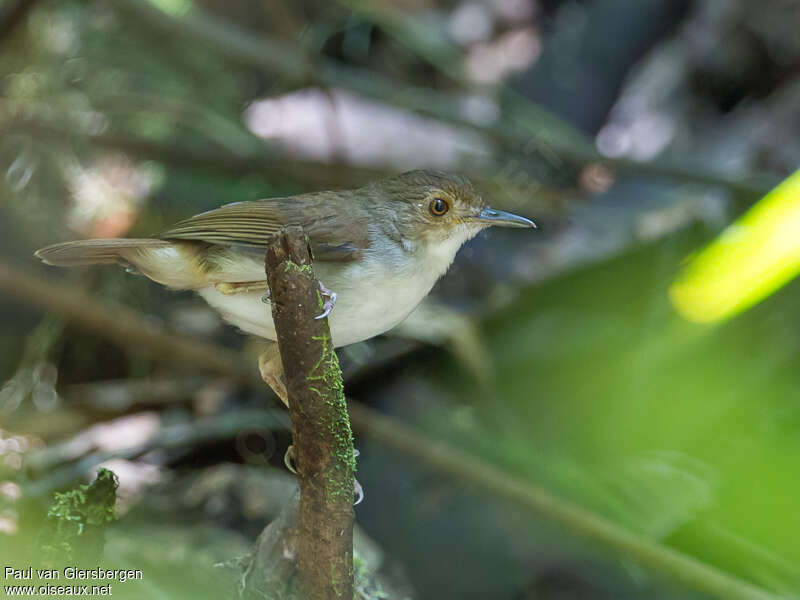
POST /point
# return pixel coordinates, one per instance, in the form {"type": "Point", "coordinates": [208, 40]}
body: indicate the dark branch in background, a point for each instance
{"type": "Point", "coordinates": [310, 173]}
{"type": "Point", "coordinates": [123, 326]}
{"type": "Point", "coordinates": [206, 157]}
{"type": "Point", "coordinates": [12, 13]}
{"type": "Point", "coordinates": [619, 35]}
{"type": "Point", "coordinates": [538, 128]}
{"type": "Point", "coordinates": [59, 465]}
{"type": "Point", "coordinates": [227, 40]}
{"type": "Point", "coordinates": [84, 311]}
{"type": "Point", "coordinates": [323, 441]}
{"type": "Point", "coordinates": [526, 133]}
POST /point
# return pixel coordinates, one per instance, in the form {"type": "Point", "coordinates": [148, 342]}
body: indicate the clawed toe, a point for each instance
{"type": "Point", "coordinates": [288, 459]}
{"type": "Point", "coordinates": [329, 301]}
{"type": "Point", "coordinates": [358, 492]}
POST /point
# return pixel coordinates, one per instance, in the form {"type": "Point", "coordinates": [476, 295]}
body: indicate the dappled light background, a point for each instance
{"type": "Point", "coordinates": [637, 356]}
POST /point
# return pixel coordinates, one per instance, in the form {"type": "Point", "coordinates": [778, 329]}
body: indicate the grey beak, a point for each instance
{"type": "Point", "coordinates": [502, 218]}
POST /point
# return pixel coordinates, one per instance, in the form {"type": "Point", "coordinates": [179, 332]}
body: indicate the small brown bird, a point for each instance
{"type": "Point", "coordinates": [380, 248]}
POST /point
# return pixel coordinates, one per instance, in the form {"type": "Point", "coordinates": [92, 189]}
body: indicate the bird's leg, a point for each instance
{"type": "Point", "coordinates": [328, 302]}
{"type": "Point", "coordinates": [271, 368]}
{"type": "Point", "coordinates": [240, 287]}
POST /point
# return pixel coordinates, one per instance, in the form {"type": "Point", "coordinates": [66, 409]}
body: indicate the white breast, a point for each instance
{"type": "Point", "coordinates": [374, 294]}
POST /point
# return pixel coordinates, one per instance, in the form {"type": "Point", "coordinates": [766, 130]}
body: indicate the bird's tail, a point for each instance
{"type": "Point", "coordinates": [176, 264]}
{"type": "Point", "coordinates": [97, 252]}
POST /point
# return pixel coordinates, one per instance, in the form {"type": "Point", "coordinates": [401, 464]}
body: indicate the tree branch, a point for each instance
{"type": "Point", "coordinates": [323, 441]}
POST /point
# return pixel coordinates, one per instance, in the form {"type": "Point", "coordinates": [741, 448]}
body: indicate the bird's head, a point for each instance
{"type": "Point", "coordinates": [432, 208]}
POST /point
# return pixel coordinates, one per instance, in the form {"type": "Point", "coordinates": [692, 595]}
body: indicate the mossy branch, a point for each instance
{"type": "Point", "coordinates": [323, 441]}
{"type": "Point", "coordinates": [77, 519]}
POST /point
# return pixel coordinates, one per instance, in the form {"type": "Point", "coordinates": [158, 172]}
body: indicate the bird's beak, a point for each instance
{"type": "Point", "coordinates": [491, 216]}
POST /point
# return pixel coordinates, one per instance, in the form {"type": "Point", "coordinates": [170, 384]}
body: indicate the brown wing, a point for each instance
{"type": "Point", "coordinates": [336, 226]}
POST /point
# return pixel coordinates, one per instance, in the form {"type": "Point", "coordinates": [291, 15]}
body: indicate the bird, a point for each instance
{"type": "Point", "coordinates": [378, 250]}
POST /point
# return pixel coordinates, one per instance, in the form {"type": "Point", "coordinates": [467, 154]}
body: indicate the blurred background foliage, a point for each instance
{"type": "Point", "coordinates": [634, 131]}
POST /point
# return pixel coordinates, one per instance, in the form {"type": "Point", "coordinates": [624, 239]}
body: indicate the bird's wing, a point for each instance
{"type": "Point", "coordinates": [336, 227]}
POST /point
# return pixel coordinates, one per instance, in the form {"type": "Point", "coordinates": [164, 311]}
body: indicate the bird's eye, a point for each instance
{"type": "Point", "coordinates": [438, 207]}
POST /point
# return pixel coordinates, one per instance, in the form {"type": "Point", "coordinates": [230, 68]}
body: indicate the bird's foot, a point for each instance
{"type": "Point", "coordinates": [358, 490]}
{"type": "Point", "coordinates": [328, 300]}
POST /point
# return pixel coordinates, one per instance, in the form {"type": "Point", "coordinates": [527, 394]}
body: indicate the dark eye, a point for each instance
{"type": "Point", "coordinates": [438, 207]}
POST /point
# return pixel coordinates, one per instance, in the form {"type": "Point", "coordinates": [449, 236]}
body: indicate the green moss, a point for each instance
{"type": "Point", "coordinates": [327, 371]}
{"type": "Point", "coordinates": [293, 266]}
{"type": "Point", "coordinates": [77, 518]}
